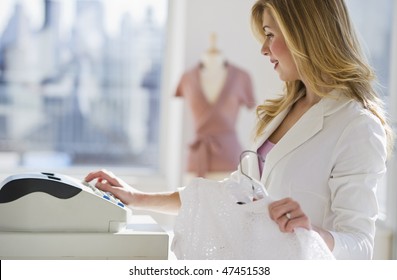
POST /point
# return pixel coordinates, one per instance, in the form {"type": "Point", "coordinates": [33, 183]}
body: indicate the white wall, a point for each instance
{"type": "Point", "coordinates": [392, 167]}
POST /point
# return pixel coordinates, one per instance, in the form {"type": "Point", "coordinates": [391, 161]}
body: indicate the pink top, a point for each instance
{"type": "Point", "coordinates": [262, 152]}
{"type": "Point", "coordinates": [216, 147]}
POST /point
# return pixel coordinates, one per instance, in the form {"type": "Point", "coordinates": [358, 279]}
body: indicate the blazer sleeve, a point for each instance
{"type": "Point", "coordinates": [359, 163]}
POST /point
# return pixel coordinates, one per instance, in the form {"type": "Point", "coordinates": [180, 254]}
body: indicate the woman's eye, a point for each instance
{"type": "Point", "coordinates": [269, 35]}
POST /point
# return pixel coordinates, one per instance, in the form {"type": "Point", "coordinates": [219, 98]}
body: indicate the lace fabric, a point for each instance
{"type": "Point", "coordinates": [212, 225]}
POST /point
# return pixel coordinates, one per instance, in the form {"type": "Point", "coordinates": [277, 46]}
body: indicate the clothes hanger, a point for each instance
{"type": "Point", "coordinates": [258, 190]}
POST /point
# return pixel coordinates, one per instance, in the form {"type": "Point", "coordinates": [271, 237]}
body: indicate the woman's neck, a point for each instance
{"type": "Point", "coordinates": [310, 98]}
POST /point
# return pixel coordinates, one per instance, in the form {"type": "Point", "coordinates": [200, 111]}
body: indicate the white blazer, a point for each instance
{"type": "Point", "coordinates": [330, 161]}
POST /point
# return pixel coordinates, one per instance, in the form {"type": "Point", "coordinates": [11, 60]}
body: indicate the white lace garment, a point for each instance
{"type": "Point", "coordinates": [212, 225]}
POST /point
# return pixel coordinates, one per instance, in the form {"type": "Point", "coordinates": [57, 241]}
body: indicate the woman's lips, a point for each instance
{"type": "Point", "coordinates": [275, 62]}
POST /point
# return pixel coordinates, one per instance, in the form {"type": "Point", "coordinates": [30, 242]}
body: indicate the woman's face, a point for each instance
{"type": "Point", "coordinates": [277, 50]}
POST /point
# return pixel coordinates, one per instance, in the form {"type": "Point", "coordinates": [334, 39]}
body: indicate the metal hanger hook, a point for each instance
{"type": "Point", "coordinates": [243, 153]}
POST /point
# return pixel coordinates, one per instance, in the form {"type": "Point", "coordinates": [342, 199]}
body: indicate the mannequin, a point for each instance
{"type": "Point", "coordinates": [213, 71]}
{"type": "Point", "coordinates": [214, 90]}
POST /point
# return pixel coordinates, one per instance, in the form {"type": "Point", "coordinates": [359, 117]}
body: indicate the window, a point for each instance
{"type": "Point", "coordinates": [80, 82]}
{"type": "Point", "coordinates": [374, 22]}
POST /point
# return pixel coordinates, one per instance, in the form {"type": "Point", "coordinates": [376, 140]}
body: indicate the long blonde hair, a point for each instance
{"type": "Point", "coordinates": [323, 43]}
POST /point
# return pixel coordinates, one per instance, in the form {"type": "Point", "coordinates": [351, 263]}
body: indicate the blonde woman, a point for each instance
{"type": "Point", "coordinates": [328, 129]}
{"type": "Point", "coordinates": [325, 139]}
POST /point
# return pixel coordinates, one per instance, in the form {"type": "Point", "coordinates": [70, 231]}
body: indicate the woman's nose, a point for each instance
{"type": "Point", "coordinates": [265, 49]}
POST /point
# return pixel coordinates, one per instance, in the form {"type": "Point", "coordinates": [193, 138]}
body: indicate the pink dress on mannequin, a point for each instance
{"type": "Point", "coordinates": [216, 147]}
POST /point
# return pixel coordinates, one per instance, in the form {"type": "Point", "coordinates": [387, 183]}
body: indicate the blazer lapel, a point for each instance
{"type": "Point", "coordinates": [305, 128]}
{"type": "Point", "coordinates": [271, 127]}
{"type": "Point", "coordinates": [251, 161]}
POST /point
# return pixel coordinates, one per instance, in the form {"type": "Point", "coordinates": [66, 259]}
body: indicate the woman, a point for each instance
{"type": "Point", "coordinates": [325, 139]}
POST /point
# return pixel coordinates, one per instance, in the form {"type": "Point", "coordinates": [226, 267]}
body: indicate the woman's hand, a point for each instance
{"type": "Point", "coordinates": [288, 214]}
{"type": "Point", "coordinates": [108, 182]}
{"type": "Point", "coordinates": [168, 202]}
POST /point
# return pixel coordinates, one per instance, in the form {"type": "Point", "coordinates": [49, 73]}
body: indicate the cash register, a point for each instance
{"type": "Point", "coordinates": [47, 215]}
